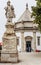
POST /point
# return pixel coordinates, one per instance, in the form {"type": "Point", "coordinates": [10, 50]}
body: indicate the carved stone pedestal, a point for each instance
{"type": "Point", "coordinates": [9, 51]}
{"type": "Point", "coordinates": [8, 56]}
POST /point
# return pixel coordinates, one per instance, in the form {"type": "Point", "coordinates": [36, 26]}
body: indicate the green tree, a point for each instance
{"type": "Point", "coordinates": [36, 13]}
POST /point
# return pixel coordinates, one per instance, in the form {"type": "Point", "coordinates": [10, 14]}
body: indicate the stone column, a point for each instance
{"type": "Point", "coordinates": [34, 40]}
{"type": "Point", "coordinates": [23, 46]}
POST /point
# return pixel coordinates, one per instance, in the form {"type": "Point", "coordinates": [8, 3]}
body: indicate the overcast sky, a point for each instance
{"type": "Point", "coordinates": [19, 6]}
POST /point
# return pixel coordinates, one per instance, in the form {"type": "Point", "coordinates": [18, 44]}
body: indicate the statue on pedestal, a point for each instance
{"type": "Point", "coordinates": [9, 49]}
{"type": "Point", "coordinates": [9, 11]}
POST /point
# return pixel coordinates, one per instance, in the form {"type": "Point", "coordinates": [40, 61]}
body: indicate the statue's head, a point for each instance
{"type": "Point", "coordinates": [8, 3]}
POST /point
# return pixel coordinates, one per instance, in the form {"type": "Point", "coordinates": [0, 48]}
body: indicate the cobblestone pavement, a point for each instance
{"type": "Point", "coordinates": [27, 59]}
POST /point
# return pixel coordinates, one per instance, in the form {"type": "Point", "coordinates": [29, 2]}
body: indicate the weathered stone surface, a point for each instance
{"type": "Point", "coordinates": [9, 51]}
{"type": "Point", "coordinates": [9, 57]}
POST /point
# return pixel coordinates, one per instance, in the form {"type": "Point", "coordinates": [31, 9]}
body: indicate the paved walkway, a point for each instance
{"type": "Point", "coordinates": [27, 59]}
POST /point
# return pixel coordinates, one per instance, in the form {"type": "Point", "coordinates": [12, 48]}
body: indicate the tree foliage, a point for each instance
{"type": "Point", "coordinates": [36, 13]}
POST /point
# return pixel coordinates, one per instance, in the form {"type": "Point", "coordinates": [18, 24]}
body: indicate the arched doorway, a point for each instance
{"type": "Point", "coordinates": [28, 43]}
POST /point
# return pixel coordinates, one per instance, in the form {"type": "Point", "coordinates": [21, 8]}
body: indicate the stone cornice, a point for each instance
{"type": "Point", "coordinates": [23, 22]}
{"type": "Point", "coordinates": [25, 28]}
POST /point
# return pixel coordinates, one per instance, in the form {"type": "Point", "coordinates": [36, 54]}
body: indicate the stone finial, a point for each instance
{"type": "Point", "coordinates": [26, 5]}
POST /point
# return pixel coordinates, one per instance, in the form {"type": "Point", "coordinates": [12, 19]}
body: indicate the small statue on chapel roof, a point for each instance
{"type": "Point", "coordinates": [26, 5]}
{"type": "Point", "coordinates": [9, 10]}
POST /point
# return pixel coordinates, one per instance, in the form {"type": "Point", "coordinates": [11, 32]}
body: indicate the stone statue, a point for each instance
{"type": "Point", "coordinates": [9, 11]}
{"type": "Point", "coordinates": [9, 51]}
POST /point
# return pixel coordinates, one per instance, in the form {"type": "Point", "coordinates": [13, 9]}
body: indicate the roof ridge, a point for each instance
{"type": "Point", "coordinates": [26, 16]}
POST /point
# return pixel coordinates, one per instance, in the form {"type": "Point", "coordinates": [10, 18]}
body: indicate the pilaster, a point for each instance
{"type": "Point", "coordinates": [23, 45]}
{"type": "Point", "coordinates": [34, 40]}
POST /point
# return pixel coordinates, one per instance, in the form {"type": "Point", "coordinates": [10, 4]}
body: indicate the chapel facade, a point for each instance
{"type": "Point", "coordinates": [29, 37]}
